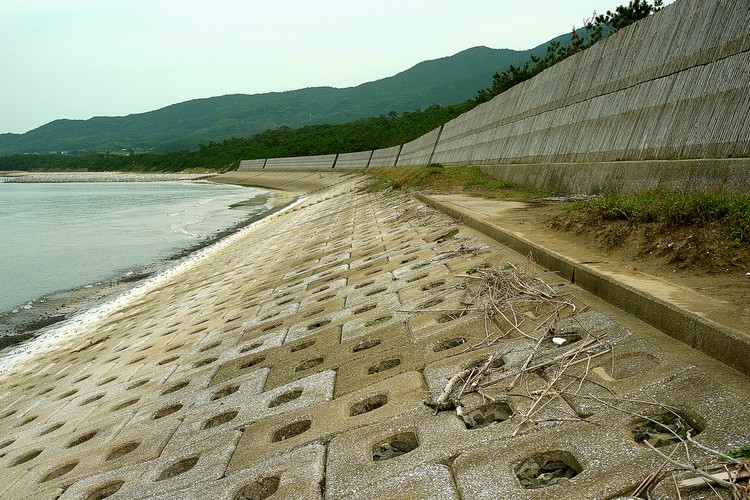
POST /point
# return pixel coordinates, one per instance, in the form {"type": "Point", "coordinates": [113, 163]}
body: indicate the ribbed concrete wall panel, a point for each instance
{"type": "Point", "coordinates": [252, 164]}
{"type": "Point", "coordinates": [674, 84]}
{"type": "Point", "coordinates": [353, 160]}
{"type": "Point", "coordinates": [418, 151]}
{"type": "Point", "coordinates": [321, 162]}
{"type": "Point", "coordinates": [385, 157]}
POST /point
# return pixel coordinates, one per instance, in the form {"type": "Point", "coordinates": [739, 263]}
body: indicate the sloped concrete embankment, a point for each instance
{"type": "Point", "coordinates": [296, 361]}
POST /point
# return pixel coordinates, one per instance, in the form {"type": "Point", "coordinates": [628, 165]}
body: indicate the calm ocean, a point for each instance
{"type": "Point", "coordinates": [63, 236]}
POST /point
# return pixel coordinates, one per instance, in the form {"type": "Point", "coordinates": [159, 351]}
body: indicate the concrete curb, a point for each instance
{"type": "Point", "coordinates": [729, 346]}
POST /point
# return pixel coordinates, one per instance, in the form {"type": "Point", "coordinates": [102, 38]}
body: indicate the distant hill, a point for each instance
{"type": "Point", "coordinates": [183, 126]}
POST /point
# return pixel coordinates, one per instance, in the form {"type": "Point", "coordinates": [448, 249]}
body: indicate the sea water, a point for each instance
{"type": "Point", "coordinates": [62, 236]}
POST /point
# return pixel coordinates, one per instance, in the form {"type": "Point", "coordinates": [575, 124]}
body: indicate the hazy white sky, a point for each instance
{"type": "Point", "coordinates": [82, 58]}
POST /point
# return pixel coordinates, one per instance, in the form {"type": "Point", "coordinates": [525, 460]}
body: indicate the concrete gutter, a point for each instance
{"type": "Point", "coordinates": [727, 345]}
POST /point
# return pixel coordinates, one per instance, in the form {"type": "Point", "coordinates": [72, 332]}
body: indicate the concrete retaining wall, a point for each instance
{"type": "Point", "coordinates": [385, 157]}
{"type": "Point", "coordinates": [321, 162]}
{"type": "Point", "coordinates": [675, 85]}
{"type": "Point", "coordinates": [419, 151]}
{"type": "Point", "coordinates": [353, 160]}
{"type": "Point", "coordinates": [252, 164]}
{"type": "Point", "coordinates": [731, 175]}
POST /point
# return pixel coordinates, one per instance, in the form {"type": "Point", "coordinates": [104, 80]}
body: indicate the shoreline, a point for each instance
{"type": "Point", "coordinates": [33, 319]}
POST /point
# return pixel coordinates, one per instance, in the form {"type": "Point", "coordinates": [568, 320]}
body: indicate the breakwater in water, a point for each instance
{"type": "Point", "coordinates": [672, 86]}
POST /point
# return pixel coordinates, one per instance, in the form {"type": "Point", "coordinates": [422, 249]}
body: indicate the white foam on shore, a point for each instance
{"type": "Point", "coordinates": [46, 340]}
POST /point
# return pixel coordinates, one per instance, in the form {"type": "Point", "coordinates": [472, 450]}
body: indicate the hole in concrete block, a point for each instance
{"type": "Point", "coordinates": [28, 420]}
{"type": "Point", "coordinates": [252, 346]}
{"type": "Point", "coordinates": [285, 301]}
{"type": "Point", "coordinates": [313, 312]}
{"type": "Point", "coordinates": [125, 404]}
{"type": "Point", "coordinates": [205, 362]}
{"type": "Point", "coordinates": [366, 344]}
{"type": "Point", "coordinates": [123, 450]}
{"type": "Point", "coordinates": [137, 360]}
{"type": "Point", "coordinates": [364, 284]}
{"type": "Point", "coordinates": [91, 399]}
{"type": "Point", "coordinates": [318, 324]}
{"type": "Point", "coordinates": [220, 419]}
{"type": "Point", "coordinates": [81, 379]}
{"type": "Point", "coordinates": [395, 446]}
{"type": "Point", "coordinates": [383, 366]}
{"type": "Point", "coordinates": [51, 428]}
{"type": "Point", "coordinates": [137, 384]}
{"type": "Point", "coordinates": [376, 291]}
{"type": "Point", "coordinates": [664, 429]}
{"type": "Point", "coordinates": [174, 347]}
{"type": "Point", "coordinates": [259, 490]}
{"type": "Point", "coordinates": [433, 285]}
{"type": "Point", "coordinates": [25, 457]}
{"type": "Point", "coordinates": [253, 362]}
{"type": "Point", "coordinates": [272, 326]}
{"type": "Point", "coordinates": [177, 387]}
{"type": "Point", "coordinates": [178, 468]}
{"type": "Point", "coordinates": [82, 439]}
{"type": "Point", "coordinates": [420, 265]}
{"type": "Point", "coordinates": [374, 271]}
{"type": "Point", "coordinates": [167, 411]}
{"type": "Point", "coordinates": [68, 393]}
{"type": "Point", "coordinates": [326, 297]}
{"type": "Point", "coordinates": [497, 362]}
{"type": "Point", "coordinates": [446, 318]}
{"type": "Point", "coordinates": [378, 321]}
{"type": "Point", "coordinates": [487, 414]}
{"type": "Point", "coordinates": [321, 289]}
{"type": "Point", "coordinates": [301, 346]}
{"type": "Point", "coordinates": [407, 260]}
{"type": "Point", "coordinates": [168, 360]}
{"type": "Point", "coordinates": [9, 413]}
{"type": "Point", "coordinates": [213, 345]}
{"type": "Point", "coordinates": [270, 316]}
{"type": "Point", "coordinates": [364, 309]}
{"type": "Point", "coordinates": [7, 443]}
{"type": "Point", "coordinates": [560, 338]}
{"type": "Point", "coordinates": [307, 364]}
{"type": "Point", "coordinates": [417, 278]}
{"type": "Point", "coordinates": [291, 430]}
{"type": "Point", "coordinates": [431, 303]}
{"type": "Point", "coordinates": [106, 381]}
{"type": "Point", "coordinates": [231, 389]}
{"type": "Point", "coordinates": [59, 472]}
{"type": "Point", "coordinates": [285, 398]}
{"type": "Point", "coordinates": [444, 345]}
{"type": "Point", "coordinates": [105, 491]}
{"type": "Point", "coordinates": [368, 405]}
{"type": "Point", "coordinates": [547, 469]}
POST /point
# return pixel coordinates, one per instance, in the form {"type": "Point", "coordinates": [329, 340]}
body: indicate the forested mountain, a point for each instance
{"type": "Point", "coordinates": [184, 126]}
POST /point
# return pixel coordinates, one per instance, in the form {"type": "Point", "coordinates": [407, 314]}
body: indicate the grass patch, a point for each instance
{"type": "Point", "coordinates": [379, 321]}
{"type": "Point", "coordinates": [671, 208]}
{"type": "Point", "coordinates": [435, 177]}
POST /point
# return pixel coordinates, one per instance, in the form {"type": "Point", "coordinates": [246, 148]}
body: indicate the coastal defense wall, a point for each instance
{"type": "Point", "coordinates": [320, 162]}
{"type": "Point", "coordinates": [386, 157]}
{"type": "Point", "coordinates": [673, 86]}
{"type": "Point", "coordinates": [353, 160]}
{"type": "Point", "coordinates": [419, 151]}
{"type": "Point", "coordinates": [252, 164]}
{"type": "Point", "coordinates": [676, 84]}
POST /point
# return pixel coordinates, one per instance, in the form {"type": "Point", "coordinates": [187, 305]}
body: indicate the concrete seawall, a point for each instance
{"type": "Point", "coordinates": [675, 85]}
{"type": "Point", "coordinates": [295, 360]}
